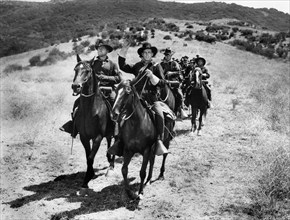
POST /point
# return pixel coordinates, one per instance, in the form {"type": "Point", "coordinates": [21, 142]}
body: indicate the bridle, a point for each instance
{"type": "Point", "coordinates": [88, 68]}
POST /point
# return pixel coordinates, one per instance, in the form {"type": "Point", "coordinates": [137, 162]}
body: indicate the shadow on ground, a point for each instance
{"type": "Point", "coordinates": [68, 186]}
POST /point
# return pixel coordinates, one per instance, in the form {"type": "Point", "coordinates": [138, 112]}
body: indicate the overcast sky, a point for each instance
{"type": "Point", "coordinates": [281, 5]}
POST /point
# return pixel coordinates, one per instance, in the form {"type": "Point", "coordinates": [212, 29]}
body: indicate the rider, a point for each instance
{"type": "Point", "coordinates": [149, 90]}
{"type": "Point", "coordinates": [172, 72]}
{"type": "Point", "coordinates": [200, 62]}
{"type": "Point", "coordinates": [186, 81]}
{"type": "Point", "coordinates": [107, 73]}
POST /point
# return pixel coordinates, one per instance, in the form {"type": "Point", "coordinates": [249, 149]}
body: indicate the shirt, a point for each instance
{"type": "Point", "coordinates": [149, 91]}
{"type": "Point", "coordinates": [108, 69]}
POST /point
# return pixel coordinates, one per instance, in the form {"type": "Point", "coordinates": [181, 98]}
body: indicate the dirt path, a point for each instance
{"type": "Point", "coordinates": [205, 176]}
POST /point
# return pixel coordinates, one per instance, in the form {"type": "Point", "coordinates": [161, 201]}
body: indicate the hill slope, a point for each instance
{"type": "Point", "coordinates": [28, 25]}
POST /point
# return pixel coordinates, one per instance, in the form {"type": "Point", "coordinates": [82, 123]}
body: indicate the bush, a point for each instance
{"type": "Point", "coordinates": [85, 43]}
{"type": "Point", "coordinates": [235, 29]}
{"type": "Point", "coordinates": [200, 36]}
{"type": "Point", "coordinates": [35, 60]}
{"type": "Point", "coordinates": [246, 32]}
{"type": "Point", "coordinates": [189, 26]}
{"type": "Point", "coordinates": [12, 68]}
{"type": "Point", "coordinates": [167, 37]}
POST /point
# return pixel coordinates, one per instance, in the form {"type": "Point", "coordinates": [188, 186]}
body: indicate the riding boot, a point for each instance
{"type": "Point", "coordinates": [160, 148]}
{"type": "Point", "coordinates": [70, 127]}
{"type": "Point", "coordinates": [117, 147]}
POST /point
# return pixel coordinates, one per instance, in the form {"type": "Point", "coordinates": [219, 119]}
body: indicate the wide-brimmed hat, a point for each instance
{"type": "Point", "coordinates": [101, 43]}
{"type": "Point", "coordinates": [146, 46]}
{"type": "Point", "coordinates": [200, 58]}
{"type": "Point", "coordinates": [168, 51]}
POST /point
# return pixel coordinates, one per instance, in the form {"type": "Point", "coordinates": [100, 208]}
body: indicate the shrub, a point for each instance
{"type": "Point", "coordinates": [12, 68]}
{"type": "Point", "coordinates": [167, 37]}
{"type": "Point", "coordinates": [35, 60]}
{"type": "Point", "coordinates": [85, 43]}
{"type": "Point", "coordinates": [235, 29]}
{"type": "Point", "coordinates": [246, 32]}
{"type": "Point", "coordinates": [200, 36]}
{"type": "Point", "coordinates": [189, 26]}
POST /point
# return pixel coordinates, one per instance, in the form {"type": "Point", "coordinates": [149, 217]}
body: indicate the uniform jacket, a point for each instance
{"type": "Point", "coordinates": [172, 66]}
{"type": "Point", "coordinates": [108, 70]}
{"type": "Point", "coordinates": [150, 92]}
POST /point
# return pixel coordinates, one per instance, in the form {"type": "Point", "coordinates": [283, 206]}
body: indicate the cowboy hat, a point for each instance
{"type": "Point", "coordinates": [145, 46]}
{"type": "Point", "coordinates": [168, 51]}
{"type": "Point", "coordinates": [101, 43]}
{"type": "Point", "coordinates": [200, 58]}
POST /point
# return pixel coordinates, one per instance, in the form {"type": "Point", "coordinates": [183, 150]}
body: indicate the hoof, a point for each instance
{"type": "Point", "coordinates": [132, 195]}
{"type": "Point", "coordinates": [140, 196]}
{"type": "Point", "coordinates": [161, 178]}
{"type": "Point", "coordinates": [82, 192]}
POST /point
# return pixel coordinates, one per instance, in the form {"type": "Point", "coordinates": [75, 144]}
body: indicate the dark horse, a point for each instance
{"type": "Point", "coordinates": [138, 132]}
{"type": "Point", "coordinates": [92, 120]}
{"type": "Point", "coordinates": [198, 100]}
{"type": "Point", "coordinates": [167, 96]}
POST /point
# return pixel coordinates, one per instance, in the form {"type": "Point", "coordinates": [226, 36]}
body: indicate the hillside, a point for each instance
{"type": "Point", "coordinates": [238, 169]}
{"type": "Point", "coordinates": [27, 25]}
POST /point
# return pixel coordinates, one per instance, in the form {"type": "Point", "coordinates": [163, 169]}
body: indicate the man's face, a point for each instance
{"type": "Point", "coordinates": [147, 54]}
{"type": "Point", "coordinates": [102, 51]}
{"type": "Point", "coordinates": [167, 57]}
{"type": "Point", "coordinates": [200, 63]}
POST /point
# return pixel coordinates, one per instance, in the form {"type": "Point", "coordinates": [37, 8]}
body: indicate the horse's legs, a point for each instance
{"type": "Point", "coordinates": [127, 158]}
{"type": "Point", "coordinates": [110, 158]}
{"type": "Point", "coordinates": [151, 161]}
{"type": "Point", "coordinates": [146, 156]}
{"type": "Point", "coordinates": [201, 117]}
{"type": "Point", "coordinates": [87, 146]}
{"type": "Point", "coordinates": [194, 112]}
{"type": "Point", "coordinates": [162, 169]}
{"type": "Point", "coordinates": [90, 160]}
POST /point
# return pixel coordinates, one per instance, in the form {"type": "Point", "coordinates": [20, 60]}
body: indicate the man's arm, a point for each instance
{"type": "Point", "coordinates": [115, 77]}
{"type": "Point", "coordinates": [122, 58]}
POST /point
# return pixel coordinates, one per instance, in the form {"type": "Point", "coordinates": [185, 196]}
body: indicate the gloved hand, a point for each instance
{"type": "Point", "coordinates": [101, 77]}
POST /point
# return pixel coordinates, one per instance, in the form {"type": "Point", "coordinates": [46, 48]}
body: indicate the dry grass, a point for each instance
{"type": "Point", "coordinates": [36, 101]}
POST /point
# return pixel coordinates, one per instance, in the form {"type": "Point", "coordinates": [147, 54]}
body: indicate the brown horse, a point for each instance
{"type": "Point", "coordinates": [92, 120]}
{"type": "Point", "coordinates": [198, 100]}
{"type": "Point", "coordinates": [137, 132]}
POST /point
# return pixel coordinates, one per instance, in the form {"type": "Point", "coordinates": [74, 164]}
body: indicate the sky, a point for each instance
{"type": "Point", "coordinates": [281, 5]}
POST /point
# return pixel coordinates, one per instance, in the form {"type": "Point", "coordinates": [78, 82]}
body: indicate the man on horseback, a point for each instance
{"type": "Point", "coordinates": [172, 72]}
{"type": "Point", "coordinates": [107, 72]}
{"type": "Point", "coordinates": [147, 88]}
{"type": "Point", "coordinates": [200, 62]}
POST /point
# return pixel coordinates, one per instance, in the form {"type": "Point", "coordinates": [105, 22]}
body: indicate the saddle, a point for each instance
{"type": "Point", "coordinates": [168, 113]}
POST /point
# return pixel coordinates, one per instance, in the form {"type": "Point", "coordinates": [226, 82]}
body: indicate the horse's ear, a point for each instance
{"type": "Point", "coordinates": [78, 58]}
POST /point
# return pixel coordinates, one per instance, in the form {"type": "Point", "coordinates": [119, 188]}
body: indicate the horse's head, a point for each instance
{"type": "Point", "coordinates": [124, 97]}
{"type": "Point", "coordinates": [83, 73]}
{"type": "Point", "coordinates": [196, 78]}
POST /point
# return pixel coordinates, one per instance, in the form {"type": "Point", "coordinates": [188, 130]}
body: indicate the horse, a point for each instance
{"type": "Point", "coordinates": [198, 100]}
{"type": "Point", "coordinates": [138, 133]}
{"type": "Point", "coordinates": [166, 95]}
{"type": "Point", "coordinates": [92, 120]}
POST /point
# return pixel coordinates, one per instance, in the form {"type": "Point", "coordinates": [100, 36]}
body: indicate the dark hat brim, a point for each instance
{"type": "Point", "coordinates": [200, 58]}
{"type": "Point", "coordinates": [141, 49]}
{"type": "Point", "coordinates": [108, 47]}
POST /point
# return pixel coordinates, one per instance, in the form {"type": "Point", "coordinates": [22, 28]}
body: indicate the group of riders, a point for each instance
{"type": "Point", "coordinates": [171, 72]}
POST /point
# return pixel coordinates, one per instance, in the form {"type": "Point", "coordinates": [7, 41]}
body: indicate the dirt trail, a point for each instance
{"type": "Point", "coordinates": [204, 175]}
